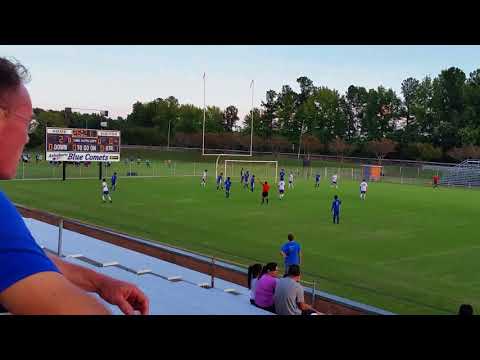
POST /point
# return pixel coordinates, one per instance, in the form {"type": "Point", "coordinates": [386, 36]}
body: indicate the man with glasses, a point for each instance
{"type": "Point", "coordinates": [30, 281]}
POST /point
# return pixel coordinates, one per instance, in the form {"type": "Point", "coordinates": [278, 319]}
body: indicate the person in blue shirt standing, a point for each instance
{"type": "Point", "coordinates": [252, 183]}
{"type": "Point", "coordinates": [336, 209]}
{"type": "Point", "coordinates": [317, 180]}
{"type": "Point", "coordinates": [282, 174]}
{"type": "Point", "coordinates": [114, 181]}
{"type": "Point", "coordinates": [291, 252]}
{"type": "Point", "coordinates": [31, 281]}
{"type": "Point", "coordinates": [245, 179]}
{"type": "Point", "coordinates": [228, 184]}
{"type": "Point", "coordinates": [220, 181]}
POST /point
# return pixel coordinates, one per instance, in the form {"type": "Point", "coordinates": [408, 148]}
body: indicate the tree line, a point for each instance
{"type": "Point", "coordinates": [436, 119]}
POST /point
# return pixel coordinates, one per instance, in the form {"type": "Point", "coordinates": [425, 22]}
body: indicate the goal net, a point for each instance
{"type": "Point", "coordinates": [263, 170]}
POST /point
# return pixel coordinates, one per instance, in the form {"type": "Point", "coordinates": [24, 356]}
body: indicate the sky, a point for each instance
{"type": "Point", "coordinates": [114, 77]}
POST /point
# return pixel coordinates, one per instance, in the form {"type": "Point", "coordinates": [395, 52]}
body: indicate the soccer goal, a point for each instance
{"type": "Point", "coordinates": [262, 169]}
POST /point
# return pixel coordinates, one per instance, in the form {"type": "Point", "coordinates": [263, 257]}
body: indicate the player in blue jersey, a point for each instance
{"type": "Point", "coordinates": [252, 183]}
{"type": "Point", "coordinates": [282, 174]}
{"type": "Point", "coordinates": [114, 181]}
{"type": "Point", "coordinates": [220, 181]}
{"type": "Point", "coordinates": [228, 184]}
{"type": "Point", "coordinates": [317, 180]}
{"type": "Point", "coordinates": [245, 179]}
{"type": "Point", "coordinates": [336, 209]}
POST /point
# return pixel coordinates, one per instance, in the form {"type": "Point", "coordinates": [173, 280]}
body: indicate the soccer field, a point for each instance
{"type": "Point", "coordinates": [408, 249]}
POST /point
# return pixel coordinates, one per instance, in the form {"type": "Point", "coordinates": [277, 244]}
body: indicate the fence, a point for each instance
{"type": "Point", "coordinates": [44, 170]}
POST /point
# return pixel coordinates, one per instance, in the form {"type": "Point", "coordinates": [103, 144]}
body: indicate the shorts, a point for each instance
{"type": "Point", "coordinates": [105, 193]}
{"type": "Point", "coordinates": [363, 192]}
{"type": "Point", "coordinates": [265, 194]}
{"type": "Point", "coordinates": [334, 182]}
{"type": "Point", "coordinates": [281, 191]}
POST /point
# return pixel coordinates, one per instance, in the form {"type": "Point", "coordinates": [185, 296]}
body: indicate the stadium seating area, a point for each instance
{"type": "Point", "coordinates": [171, 289]}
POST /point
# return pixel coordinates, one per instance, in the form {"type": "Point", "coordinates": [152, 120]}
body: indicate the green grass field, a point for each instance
{"type": "Point", "coordinates": [408, 249]}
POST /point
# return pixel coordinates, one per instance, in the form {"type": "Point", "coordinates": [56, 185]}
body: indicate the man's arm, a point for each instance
{"type": "Point", "coordinates": [49, 293]}
{"type": "Point", "coordinates": [123, 294]}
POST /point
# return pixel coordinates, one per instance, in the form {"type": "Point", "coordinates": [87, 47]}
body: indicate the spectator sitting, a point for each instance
{"type": "Point", "coordinates": [289, 297]}
{"type": "Point", "coordinates": [253, 273]}
{"type": "Point", "coordinates": [265, 287]}
{"type": "Point", "coordinates": [465, 310]}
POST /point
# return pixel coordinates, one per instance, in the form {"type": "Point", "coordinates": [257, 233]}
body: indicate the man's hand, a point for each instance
{"type": "Point", "coordinates": [126, 296]}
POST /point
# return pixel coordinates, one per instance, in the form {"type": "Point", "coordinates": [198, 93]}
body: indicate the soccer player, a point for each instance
{"type": "Point", "coordinates": [334, 181]}
{"type": "Point", "coordinates": [265, 190]}
{"type": "Point", "coordinates": [290, 181]}
{"type": "Point", "coordinates": [220, 181]}
{"type": "Point", "coordinates": [204, 178]}
{"type": "Point", "coordinates": [228, 184]}
{"type": "Point", "coordinates": [282, 174]}
{"type": "Point", "coordinates": [241, 176]}
{"type": "Point", "coordinates": [436, 180]}
{"type": "Point", "coordinates": [147, 162]}
{"type": "Point", "coordinates": [363, 189]}
{"type": "Point", "coordinates": [106, 193]}
{"type": "Point", "coordinates": [336, 209]}
{"type": "Point", "coordinates": [245, 179]}
{"type": "Point", "coordinates": [281, 189]}
{"type": "Point", "coordinates": [317, 180]}
{"type": "Point", "coordinates": [114, 181]}
{"type": "Point", "coordinates": [252, 183]}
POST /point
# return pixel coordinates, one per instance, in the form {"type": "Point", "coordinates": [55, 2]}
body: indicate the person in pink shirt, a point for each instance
{"type": "Point", "coordinates": [265, 287]}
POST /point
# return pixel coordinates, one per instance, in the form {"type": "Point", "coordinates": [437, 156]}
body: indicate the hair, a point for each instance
{"type": "Point", "coordinates": [271, 266]}
{"type": "Point", "coordinates": [465, 309]}
{"type": "Point", "coordinates": [253, 273]}
{"type": "Point", "coordinates": [363, 179]}
{"type": "Point", "coordinates": [293, 270]}
{"type": "Point", "coordinates": [115, 173]}
{"type": "Point", "coordinates": [103, 180]}
{"type": "Point", "coordinates": [290, 237]}
{"type": "Point", "coordinates": [335, 197]}
{"type": "Point", "coordinates": [12, 75]}
{"type": "Point", "coordinates": [266, 182]}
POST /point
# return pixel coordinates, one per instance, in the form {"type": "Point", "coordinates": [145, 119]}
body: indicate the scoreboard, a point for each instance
{"type": "Point", "coordinates": [82, 145]}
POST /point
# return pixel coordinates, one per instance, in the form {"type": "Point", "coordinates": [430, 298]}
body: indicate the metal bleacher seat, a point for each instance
{"type": "Point", "coordinates": [171, 289]}
{"type": "Point", "coordinates": [467, 173]}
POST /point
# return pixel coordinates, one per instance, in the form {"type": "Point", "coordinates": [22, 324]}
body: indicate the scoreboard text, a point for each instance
{"type": "Point", "coordinates": [82, 145]}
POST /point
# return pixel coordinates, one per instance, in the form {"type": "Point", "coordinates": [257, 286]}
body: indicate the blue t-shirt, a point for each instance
{"type": "Point", "coordinates": [317, 177]}
{"type": "Point", "coordinates": [20, 256]}
{"type": "Point", "coordinates": [219, 179]}
{"type": "Point", "coordinates": [336, 206]}
{"type": "Point", "coordinates": [292, 250]}
{"type": "Point", "coordinates": [114, 179]}
{"type": "Point", "coordinates": [252, 180]}
{"type": "Point", "coordinates": [228, 183]}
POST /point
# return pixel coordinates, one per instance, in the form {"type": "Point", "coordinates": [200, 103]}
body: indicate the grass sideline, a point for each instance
{"type": "Point", "coordinates": [407, 249]}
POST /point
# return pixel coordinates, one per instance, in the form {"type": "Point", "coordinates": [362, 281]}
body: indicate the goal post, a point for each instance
{"type": "Point", "coordinates": [262, 169]}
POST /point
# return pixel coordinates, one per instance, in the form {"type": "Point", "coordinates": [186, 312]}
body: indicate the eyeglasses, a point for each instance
{"type": "Point", "coordinates": [33, 122]}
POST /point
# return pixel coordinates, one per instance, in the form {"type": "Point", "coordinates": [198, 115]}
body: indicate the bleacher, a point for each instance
{"type": "Point", "coordinates": [171, 289]}
{"type": "Point", "coordinates": [467, 173]}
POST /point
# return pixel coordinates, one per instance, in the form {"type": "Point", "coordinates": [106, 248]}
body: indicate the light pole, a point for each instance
{"type": "Point", "coordinates": [168, 140]}
{"type": "Point", "coordinates": [102, 113]}
{"type": "Point", "coordinates": [203, 138]}
{"type": "Point", "coordinates": [252, 85]}
{"type": "Point", "coordinates": [300, 140]}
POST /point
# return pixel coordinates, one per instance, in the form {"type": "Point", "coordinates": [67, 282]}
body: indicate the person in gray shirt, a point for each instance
{"type": "Point", "coordinates": [289, 299]}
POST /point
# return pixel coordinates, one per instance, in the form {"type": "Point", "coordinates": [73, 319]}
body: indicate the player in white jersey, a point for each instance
{"type": "Point", "coordinates": [290, 180]}
{"type": "Point", "coordinates": [106, 193]}
{"type": "Point", "coordinates": [334, 180]}
{"type": "Point", "coordinates": [363, 189]}
{"type": "Point", "coordinates": [281, 189]}
{"type": "Point", "coordinates": [204, 178]}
